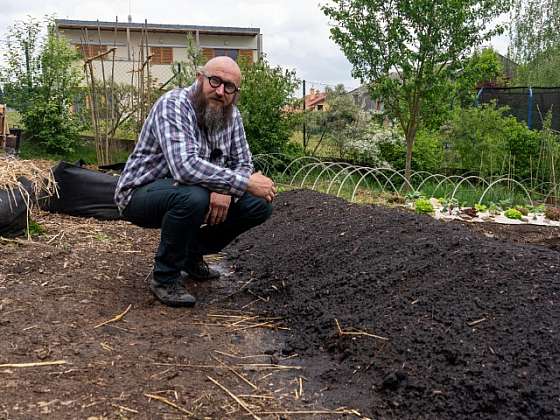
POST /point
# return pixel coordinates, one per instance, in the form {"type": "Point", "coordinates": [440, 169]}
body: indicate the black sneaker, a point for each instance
{"type": "Point", "coordinates": [199, 270]}
{"type": "Point", "coordinates": [171, 294]}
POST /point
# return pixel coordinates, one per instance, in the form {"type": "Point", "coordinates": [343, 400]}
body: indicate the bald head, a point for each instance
{"type": "Point", "coordinates": [224, 67]}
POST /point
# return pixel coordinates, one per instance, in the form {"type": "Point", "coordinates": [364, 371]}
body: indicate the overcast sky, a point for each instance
{"type": "Point", "coordinates": [295, 32]}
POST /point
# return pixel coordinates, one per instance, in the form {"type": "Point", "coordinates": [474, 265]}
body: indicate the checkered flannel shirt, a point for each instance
{"type": "Point", "coordinates": [171, 145]}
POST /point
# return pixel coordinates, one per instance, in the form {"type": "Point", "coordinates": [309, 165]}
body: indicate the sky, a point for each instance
{"type": "Point", "coordinates": [295, 32]}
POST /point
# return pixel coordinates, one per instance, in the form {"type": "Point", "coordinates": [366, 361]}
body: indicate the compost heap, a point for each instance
{"type": "Point", "coordinates": [466, 325]}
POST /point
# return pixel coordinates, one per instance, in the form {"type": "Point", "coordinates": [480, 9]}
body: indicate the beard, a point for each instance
{"type": "Point", "coordinates": [209, 117]}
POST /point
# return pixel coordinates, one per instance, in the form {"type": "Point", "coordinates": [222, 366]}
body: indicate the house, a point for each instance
{"type": "Point", "coordinates": [165, 44]}
{"type": "Point", "coordinates": [362, 98]}
{"type": "Point", "coordinates": [315, 100]}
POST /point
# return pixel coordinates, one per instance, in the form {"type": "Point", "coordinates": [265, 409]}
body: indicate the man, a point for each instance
{"type": "Point", "coordinates": [191, 175]}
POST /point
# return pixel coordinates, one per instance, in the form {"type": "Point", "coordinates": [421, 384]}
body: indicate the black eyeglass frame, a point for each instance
{"type": "Point", "coordinates": [216, 82]}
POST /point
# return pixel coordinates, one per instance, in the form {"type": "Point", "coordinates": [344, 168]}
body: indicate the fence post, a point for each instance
{"type": "Point", "coordinates": [530, 108]}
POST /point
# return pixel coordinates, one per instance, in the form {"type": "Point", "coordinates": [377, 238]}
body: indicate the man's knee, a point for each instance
{"type": "Point", "coordinates": [191, 199]}
{"type": "Point", "coordinates": [256, 209]}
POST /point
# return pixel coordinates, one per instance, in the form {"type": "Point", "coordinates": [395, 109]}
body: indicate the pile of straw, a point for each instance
{"type": "Point", "coordinates": [13, 169]}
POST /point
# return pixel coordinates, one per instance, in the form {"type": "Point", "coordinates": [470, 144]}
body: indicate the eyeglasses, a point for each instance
{"type": "Point", "coordinates": [216, 82]}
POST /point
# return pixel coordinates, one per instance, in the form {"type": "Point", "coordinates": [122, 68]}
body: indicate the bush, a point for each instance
{"type": "Point", "coordinates": [486, 141]}
{"type": "Point", "coordinates": [53, 127]}
{"type": "Point", "coordinates": [265, 94]}
{"type": "Point", "coordinates": [427, 156]}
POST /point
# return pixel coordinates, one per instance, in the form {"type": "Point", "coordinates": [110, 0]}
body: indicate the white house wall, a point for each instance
{"type": "Point", "coordinates": [161, 72]}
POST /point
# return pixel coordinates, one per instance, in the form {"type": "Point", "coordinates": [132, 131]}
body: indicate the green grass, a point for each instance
{"type": "Point", "coordinates": [85, 151]}
{"type": "Point", "coordinates": [326, 149]}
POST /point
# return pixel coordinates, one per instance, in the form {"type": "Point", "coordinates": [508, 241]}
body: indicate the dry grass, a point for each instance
{"type": "Point", "coordinates": [12, 170]}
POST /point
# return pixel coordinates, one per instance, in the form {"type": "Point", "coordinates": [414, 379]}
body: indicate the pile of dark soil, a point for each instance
{"type": "Point", "coordinates": [470, 321]}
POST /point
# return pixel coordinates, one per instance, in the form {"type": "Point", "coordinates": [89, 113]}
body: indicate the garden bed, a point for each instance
{"type": "Point", "coordinates": [412, 317]}
{"type": "Point", "coordinates": [382, 311]}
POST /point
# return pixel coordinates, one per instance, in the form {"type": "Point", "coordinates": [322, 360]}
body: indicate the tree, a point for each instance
{"type": "Point", "coordinates": [266, 92]}
{"type": "Point", "coordinates": [407, 49]}
{"type": "Point", "coordinates": [339, 113]}
{"type": "Point", "coordinates": [535, 41]}
{"type": "Point", "coordinates": [21, 71]}
{"type": "Point", "coordinates": [41, 79]}
{"type": "Point", "coordinates": [481, 68]}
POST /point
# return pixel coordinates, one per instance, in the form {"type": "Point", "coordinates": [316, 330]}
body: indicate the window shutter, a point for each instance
{"type": "Point", "coordinates": [207, 54]}
{"type": "Point", "coordinates": [90, 50]}
{"type": "Point", "coordinates": [161, 55]}
{"type": "Point", "coordinates": [246, 55]}
{"type": "Point", "coordinates": [166, 55]}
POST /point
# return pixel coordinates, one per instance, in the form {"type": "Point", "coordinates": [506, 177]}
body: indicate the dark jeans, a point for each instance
{"type": "Point", "coordinates": [179, 211]}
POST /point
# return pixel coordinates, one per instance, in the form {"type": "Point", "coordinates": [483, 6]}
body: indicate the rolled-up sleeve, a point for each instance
{"type": "Point", "coordinates": [177, 134]}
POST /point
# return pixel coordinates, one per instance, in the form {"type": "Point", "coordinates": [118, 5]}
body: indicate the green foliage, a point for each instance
{"type": "Point", "coordinates": [407, 51]}
{"type": "Point", "coordinates": [542, 71]}
{"type": "Point", "coordinates": [34, 228]}
{"type": "Point", "coordinates": [482, 67]}
{"type": "Point", "coordinates": [513, 214]}
{"type": "Point", "coordinates": [428, 152]}
{"type": "Point", "coordinates": [423, 206]}
{"type": "Point", "coordinates": [480, 207]}
{"type": "Point", "coordinates": [41, 79]}
{"type": "Point", "coordinates": [184, 72]}
{"type": "Point", "coordinates": [52, 125]}
{"type": "Point", "coordinates": [535, 42]}
{"type": "Point", "coordinates": [20, 72]}
{"type": "Point", "coordinates": [486, 141]}
{"type": "Point", "coordinates": [265, 94]}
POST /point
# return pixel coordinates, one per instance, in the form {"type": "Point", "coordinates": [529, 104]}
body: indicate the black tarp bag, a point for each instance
{"type": "Point", "coordinates": [13, 209]}
{"type": "Point", "coordinates": [83, 192]}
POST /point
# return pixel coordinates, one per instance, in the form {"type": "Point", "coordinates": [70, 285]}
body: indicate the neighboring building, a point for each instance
{"type": "Point", "coordinates": [362, 98]}
{"type": "Point", "coordinates": [316, 100]}
{"type": "Point", "coordinates": [166, 44]}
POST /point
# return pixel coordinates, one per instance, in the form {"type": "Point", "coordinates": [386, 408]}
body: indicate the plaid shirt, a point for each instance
{"type": "Point", "coordinates": [171, 145]}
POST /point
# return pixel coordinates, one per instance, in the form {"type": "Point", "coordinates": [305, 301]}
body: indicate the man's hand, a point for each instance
{"type": "Point", "coordinates": [262, 186]}
{"type": "Point", "coordinates": [218, 208]}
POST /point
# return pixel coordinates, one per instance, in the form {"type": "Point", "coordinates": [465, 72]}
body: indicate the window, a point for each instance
{"type": "Point", "coordinates": [161, 55]}
{"type": "Point", "coordinates": [208, 53]}
{"type": "Point", "coordinates": [229, 53]}
{"type": "Point", "coordinates": [246, 54]}
{"type": "Point", "coordinates": [91, 50]}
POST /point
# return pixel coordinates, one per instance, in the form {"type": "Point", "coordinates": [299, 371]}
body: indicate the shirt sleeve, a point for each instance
{"type": "Point", "coordinates": [177, 134]}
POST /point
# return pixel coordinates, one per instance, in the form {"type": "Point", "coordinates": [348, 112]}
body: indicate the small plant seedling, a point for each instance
{"type": "Point", "coordinates": [423, 206]}
{"type": "Point", "coordinates": [413, 195]}
{"type": "Point", "coordinates": [513, 214]}
{"type": "Point", "coordinates": [480, 207]}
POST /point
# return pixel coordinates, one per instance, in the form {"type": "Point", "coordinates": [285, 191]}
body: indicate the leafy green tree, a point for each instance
{"type": "Point", "coordinates": [41, 79]}
{"type": "Point", "coordinates": [330, 123]}
{"type": "Point", "coordinates": [266, 93]}
{"type": "Point", "coordinates": [535, 42]}
{"type": "Point", "coordinates": [20, 72]}
{"type": "Point", "coordinates": [480, 68]}
{"type": "Point", "coordinates": [407, 49]}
